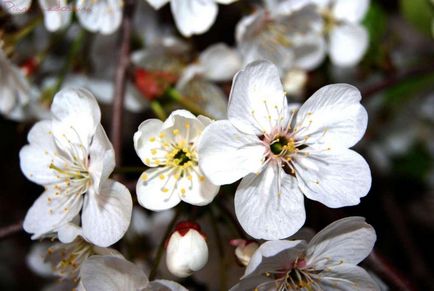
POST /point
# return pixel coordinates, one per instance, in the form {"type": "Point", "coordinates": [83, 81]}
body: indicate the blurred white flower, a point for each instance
{"type": "Point", "coordinates": [294, 82]}
{"type": "Point", "coordinates": [64, 260]}
{"type": "Point", "coordinates": [244, 250]}
{"type": "Point", "coordinates": [192, 16]}
{"type": "Point", "coordinates": [102, 16]}
{"type": "Point", "coordinates": [169, 148]}
{"type": "Point", "coordinates": [71, 156]}
{"type": "Point", "coordinates": [347, 38]}
{"type": "Point", "coordinates": [15, 90]}
{"type": "Point", "coordinates": [186, 250]}
{"type": "Point", "coordinates": [110, 273]}
{"type": "Point", "coordinates": [285, 151]}
{"type": "Point", "coordinates": [287, 33]}
{"type": "Point", "coordinates": [328, 262]}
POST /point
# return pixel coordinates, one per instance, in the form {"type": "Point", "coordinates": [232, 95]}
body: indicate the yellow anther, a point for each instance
{"type": "Point", "coordinates": [161, 177]}
{"type": "Point", "coordinates": [152, 139]}
{"type": "Point", "coordinates": [153, 151]}
{"type": "Point", "coordinates": [144, 177]}
{"type": "Point", "coordinates": [175, 131]}
{"type": "Point", "coordinates": [165, 190]}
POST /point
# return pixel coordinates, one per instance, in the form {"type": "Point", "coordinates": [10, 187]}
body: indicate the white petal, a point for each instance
{"type": "Point", "coordinates": [257, 103]}
{"type": "Point", "coordinates": [76, 115]}
{"type": "Point", "coordinates": [351, 11]}
{"type": "Point", "coordinates": [166, 285]}
{"type": "Point", "coordinates": [35, 158]}
{"type": "Point", "coordinates": [226, 154]}
{"type": "Point", "coordinates": [57, 14]}
{"type": "Point", "coordinates": [16, 6]}
{"type": "Point", "coordinates": [100, 15]}
{"type": "Point", "coordinates": [107, 215]}
{"type": "Point", "coordinates": [157, 4]}
{"type": "Point", "coordinates": [198, 190]}
{"type": "Point", "coordinates": [156, 189]}
{"type": "Point", "coordinates": [68, 232]}
{"type": "Point", "coordinates": [310, 54]}
{"type": "Point", "coordinates": [35, 260]}
{"type": "Point", "coordinates": [225, 1]}
{"type": "Point", "coordinates": [220, 62]}
{"type": "Point", "coordinates": [182, 126]}
{"type": "Point", "coordinates": [333, 117]}
{"type": "Point", "coordinates": [111, 274]}
{"type": "Point", "coordinates": [348, 240]}
{"type": "Point", "coordinates": [267, 210]}
{"type": "Point", "coordinates": [274, 255]}
{"type": "Point", "coordinates": [346, 277]}
{"type": "Point", "coordinates": [336, 178]}
{"type": "Point", "coordinates": [146, 139]}
{"type": "Point", "coordinates": [348, 44]}
{"type": "Point", "coordinates": [193, 16]}
{"type": "Point", "coordinates": [50, 211]}
{"type": "Point", "coordinates": [102, 158]}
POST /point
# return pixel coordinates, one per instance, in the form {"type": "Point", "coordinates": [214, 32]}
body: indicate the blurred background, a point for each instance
{"type": "Point", "coordinates": [395, 76]}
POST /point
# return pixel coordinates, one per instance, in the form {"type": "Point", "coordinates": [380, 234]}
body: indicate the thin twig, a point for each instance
{"type": "Point", "coordinates": [220, 249]}
{"type": "Point", "coordinates": [386, 271]}
{"type": "Point", "coordinates": [394, 80]}
{"type": "Point", "coordinates": [120, 79]}
{"type": "Point", "coordinates": [160, 250]}
{"type": "Point", "coordinates": [11, 229]}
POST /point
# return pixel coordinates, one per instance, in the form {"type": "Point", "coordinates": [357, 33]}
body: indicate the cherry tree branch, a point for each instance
{"type": "Point", "coordinates": [11, 229]}
{"type": "Point", "coordinates": [121, 78]}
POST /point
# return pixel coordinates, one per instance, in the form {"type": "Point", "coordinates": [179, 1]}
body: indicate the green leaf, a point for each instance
{"type": "Point", "coordinates": [419, 13]}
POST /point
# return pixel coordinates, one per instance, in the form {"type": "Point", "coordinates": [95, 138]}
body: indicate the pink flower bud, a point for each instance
{"type": "Point", "coordinates": [244, 250]}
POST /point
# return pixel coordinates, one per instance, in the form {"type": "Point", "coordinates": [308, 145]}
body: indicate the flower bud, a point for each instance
{"type": "Point", "coordinates": [244, 250]}
{"type": "Point", "coordinates": [186, 250]}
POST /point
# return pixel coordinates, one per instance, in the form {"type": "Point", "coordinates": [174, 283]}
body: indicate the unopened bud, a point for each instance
{"type": "Point", "coordinates": [244, 250]}
{"type": "Point", "coordinates": [187, 250]}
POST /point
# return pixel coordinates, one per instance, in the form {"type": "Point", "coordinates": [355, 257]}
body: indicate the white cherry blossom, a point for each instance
{"type": "Point", "coordinates": [169, 148]}
{"type": "Point", "coordinates": [110, 273]}
{"type": "Point", "coordinates": [283, 152]}
{"type": "Point", "coordinates": [192, 16]}
{"type": "Point", "coordinates": [72, 158]}
{"type": "Point", "coordinates": [328, 262]}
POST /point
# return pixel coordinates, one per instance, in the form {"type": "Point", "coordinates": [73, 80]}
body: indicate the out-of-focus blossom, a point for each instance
{"type": "Point", "coordinates": [15, 90]}
{"type": "Point", "coordinates": [112, 274]}
{"type": "Point", "coordinates": [192, 16]}
{"type": "Point", "coordinates": [64, 260]}
{"type": "Point", "coordinates": [347, 38]}
{"type": "Point", "coordinates": [287, 33]}
{"type": "Point", "coordinates": [102, 16]}
{"type": "Point", "coordinates": [169, 148]}
{"type": "Point", "coordinates": [186, 250]}
{"type": "Point", "coordinates": [328, 262]}
{"type": "Point", "coordinates": [71, 156]}
{"type": "Point", "coordinates": [283, 152]}
{"type": "Point", "coordinates": [294, 82]}
{"type": "Point", "coordinates": [244, 250]}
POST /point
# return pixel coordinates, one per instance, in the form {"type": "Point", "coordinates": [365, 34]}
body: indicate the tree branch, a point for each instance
{"type": "Point", "coordinates": [11, 229]}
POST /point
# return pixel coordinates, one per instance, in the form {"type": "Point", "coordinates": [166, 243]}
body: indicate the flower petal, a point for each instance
{"type": "Point", "coordinates": [336, 178]}
{"type": "Point", "coordinates": [146, 139]}
{"type": "Point", "coordinates": [348, 44]}
{"type": "Point", "coordinates": [193, 16]}
{"type": "Point", "coordinates": [99, 15]}
{"type": "Point", "coordinates": [166, 285]}
{"type": "Point", "coordinates": [269, 205]}
{"type": "Point", "coordinates": [257, 102]}
{"type": "Point", "coordinates": [111, 274]}
{"type": "Point", "coordinates": [50, 211]}
{"type": "Point", "coordinates": [196, 189]}
{"type": "Point", "coordinates": [226, 154]}
{"type": "Point", "coordinates": [156, 189]}
{"type": "Point", "coordinates": [16, 6]}
{"type": "Point", "coordinates": [182, 126]}
{"type": "Point", "coordinates": [57, 14]}
{"type": "Point", "coordinates": [68, 232]}
{"type": "Point", "coordinates": [106, 215]}
{"type": "Point", "coordinates": [220, 62]}
{"type": "Point", "coordinates": [76, 116]}
{"type": "Point", "coordinates": [102, 158]}
{"type": "Point", "coordinates": [348, 240]}
{"type": "Point", "coordinates": [157, 4]}
{"type": "Point", "coordinates": [351, 11]}
{"type": "Point", "coordinates": [35, 158]}
{"type": "Point", "coordinates": [332, 117]}
{"type": "Point", "coordinates": [346, 277]}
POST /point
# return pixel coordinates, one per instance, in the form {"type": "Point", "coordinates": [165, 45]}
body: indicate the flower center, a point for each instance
{"type": "Point", "coordinates": [181, 157]}
{"type": "Point", "coordinates": [282, 145]}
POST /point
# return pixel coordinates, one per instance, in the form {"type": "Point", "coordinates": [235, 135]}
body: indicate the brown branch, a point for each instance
{"type": "Point", "coordinates": [120, 79]}
{"type": "Point", "coordinates": [394, 80]}
{"type": "Point", "coordinates": [11, 229]}
{"type": "Point", "coordinates": [386, 271]}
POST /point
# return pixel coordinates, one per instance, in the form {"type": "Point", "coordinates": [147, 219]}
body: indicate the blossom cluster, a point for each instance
{"type": "Point", "coordinates": [273, 150]}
